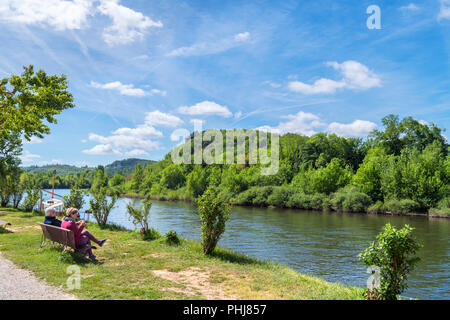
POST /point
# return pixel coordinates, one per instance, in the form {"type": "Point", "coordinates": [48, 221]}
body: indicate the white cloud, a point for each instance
{"type": "Point", "coordinates": [127, 89]}
{"type": "Point", "coordinates": [124, 89]}
{"type": "Point", "coordinates": [101, 150]}
{"type": "Point", "coordinates": [238, 115]}
{"type": "Point", "coordinates": [142, 131]}
{"type": "Point", "coordinates": [303, 123]}
{"type": "Point", "coordinates": [34, 140]}
{"type": "Point", "coordinates": [61, 15]}
{"type": "Point", "coordinates": [125, 142]}
{"type": "Point", "coordinates": [410, 7]}
{"type": "Point", "coordinates": [319, 86]}
{"type": "Point", "coordinates": [206, 108]}
{"type": "Point", "coordinates": [133, 141]}
{"type": "Point", "coordinates": [128, 25]}
{"type": "Point", "coordinates": [444, 12]}
{"type": "Point", "coordinates": [158, 118]}
{"type": "Point", "coordinates": [356, 76]}
{"type": "Point", "coordinates": [309, 124]}
{"type": "Point", "coordinates": [212, 47]}
{"type": "Point", "coordinates": [358, 128]}
{"type": "Point", "coordinates": [28, 157]}
{"type": "Point", "coordinates": [136, 152]}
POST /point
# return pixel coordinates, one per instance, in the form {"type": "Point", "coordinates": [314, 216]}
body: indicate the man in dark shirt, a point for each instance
{"type": "Point", "coordinates": [50, 217]}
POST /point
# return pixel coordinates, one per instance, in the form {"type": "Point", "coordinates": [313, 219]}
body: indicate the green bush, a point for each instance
{"type": "Point", "coordinates": [401, 206]}
{"type": "Point", "coordinates": [280, 196]}
{"type": "Point", "coordinates": [349, 199]}
{"type": "Point", "coordinates": [299, 201]}
{"type": "Point", "coordinates": [172, 238]}
{"type": "Point", "coordinates": [255, 196]}
{"type": "Point", "coordinates": [214, 213]}
{"type": "Point", "coordinates": [139, 216]}
{"type": "Point", "coordinates": [377, 207]}
{"type": "Point", "coordinates": [394, 253]}
{"type": "Point", "coordinates": [152, 234]}
{"type": "Point", "coordinates": [443, 207]}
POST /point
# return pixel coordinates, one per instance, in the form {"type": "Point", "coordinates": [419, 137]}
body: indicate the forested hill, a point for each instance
{"type": "Point", "coordinates": [61, 169]}
{"type": "Point", "coordinates": [126, 166]}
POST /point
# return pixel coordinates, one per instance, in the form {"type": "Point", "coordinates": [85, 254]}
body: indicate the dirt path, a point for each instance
{"type": "Point", "coordinates": [20, 284]}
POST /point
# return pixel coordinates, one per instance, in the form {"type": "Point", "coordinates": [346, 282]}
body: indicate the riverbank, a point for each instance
{"type": "Point", "coordinates": [130, 268]}
{"type": "Point", "coordinates": [374, 209]}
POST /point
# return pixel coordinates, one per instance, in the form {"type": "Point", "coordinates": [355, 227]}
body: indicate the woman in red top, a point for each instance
{"type": "Point", "coordinates": [82, 237]}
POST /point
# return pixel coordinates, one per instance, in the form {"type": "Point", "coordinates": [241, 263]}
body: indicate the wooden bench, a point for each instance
{"type": "Point", "coordinates": [62, 236]}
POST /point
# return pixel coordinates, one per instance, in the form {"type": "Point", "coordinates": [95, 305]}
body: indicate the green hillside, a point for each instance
{"type": "Point", "coordinates": [126, 165]}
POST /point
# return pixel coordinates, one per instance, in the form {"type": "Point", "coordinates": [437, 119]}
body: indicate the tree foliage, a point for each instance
{"type": "Point", "coordinates": [214, 213]}
{"type": "Point", "coordinates": [394, 252]}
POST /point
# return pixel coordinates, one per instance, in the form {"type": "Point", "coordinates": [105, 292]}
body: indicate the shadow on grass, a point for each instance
{"type": "Point", "coordinates": [234, 257]}
{"type": "Point", "coordinates": [4, 231]}
{"type": "Point", "coordinates": [70, 256]}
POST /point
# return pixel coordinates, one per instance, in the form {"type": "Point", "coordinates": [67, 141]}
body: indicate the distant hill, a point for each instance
{"type": "Point", "coordinates": [61, 169]}
{"type": "Point", "coordinates": [126, 166]}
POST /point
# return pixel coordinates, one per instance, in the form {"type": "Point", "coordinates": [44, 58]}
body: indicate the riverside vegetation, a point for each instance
{"type": "Point", "coordinates": [402, 169]}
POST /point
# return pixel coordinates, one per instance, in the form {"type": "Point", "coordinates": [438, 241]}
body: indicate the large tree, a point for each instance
{"type": "Point", "coordinates": [31, 101]}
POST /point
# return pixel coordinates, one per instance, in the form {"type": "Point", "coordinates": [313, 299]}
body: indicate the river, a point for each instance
{"type": "Point", "coordinates": [323, 244]}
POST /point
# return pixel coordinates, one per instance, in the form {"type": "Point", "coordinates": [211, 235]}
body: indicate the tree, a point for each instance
{"type": "Point", "coordinates": [408, 133]}
{"type": "Point", "coordinates": [29, 99]}
{"type": "Point", "coordinates": [137, 178]}
{"type": "Point", "coordinates": [214, 213]}
{"type": "Point", "coordinates": [172, 177]}
{"type": "Point", "coordinates": [99, 180]}
{"type": "Point", "coordinates": [75, 199]}
{"type": "Point", "coordinates": [368, 176]}
{"type": "Point", "coordinates": [323, 180]}
{"type": "Point", "coordinates": [100, 207]}
{"type": "Point", "coordinates": [32, 191]}
{"type": "Point", "coordinates": [196, 181]}
{"type": "Point", "coordinates": [139, 216]}
{"type": "Point", "coordinates": [394, 253]}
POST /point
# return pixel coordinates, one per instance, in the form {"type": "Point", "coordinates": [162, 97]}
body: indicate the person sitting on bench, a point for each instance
{"type": "Point", "coordinates": [50, 217]}
{"type": "Point", "coordinates": [82, 237]}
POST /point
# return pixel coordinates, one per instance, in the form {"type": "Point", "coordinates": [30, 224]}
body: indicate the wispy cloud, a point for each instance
{"type": "Point", "coordinates": [212, 47]}
{"type": "Point", "coordinates": [444, 12]}
{"type": "Point", "coordinates": [126, 89]}
{"type": "Point", "coordinates": [409, 7]}
{"type": "Point", "coordinates": [356, 76]}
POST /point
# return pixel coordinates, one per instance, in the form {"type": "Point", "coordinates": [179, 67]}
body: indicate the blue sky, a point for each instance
{"type": "Point", "coordinates": [139, 70]}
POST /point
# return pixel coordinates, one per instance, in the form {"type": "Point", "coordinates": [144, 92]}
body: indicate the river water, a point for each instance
{"type": "Point", "coordinates": [322, 244]}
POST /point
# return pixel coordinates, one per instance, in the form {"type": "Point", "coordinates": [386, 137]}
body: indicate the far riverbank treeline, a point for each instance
{"type": "Point", "coordinates": [402, 168]}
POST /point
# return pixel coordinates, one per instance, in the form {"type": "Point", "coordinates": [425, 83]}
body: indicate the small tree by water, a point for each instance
{"type": "Point", "coordinates": [214, 213]}
{"type": "Point", "coordinates": [394, 253]}
{"type": "Point", "coordinates": [75, 199]}
{"type": "Point", "coordinates": [101, 207]}
{"type": "Point", "coordinates": [139, 216]}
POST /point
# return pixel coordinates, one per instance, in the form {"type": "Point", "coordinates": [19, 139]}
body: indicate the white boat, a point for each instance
{"type": "Point", "coordinates": [53, 203]}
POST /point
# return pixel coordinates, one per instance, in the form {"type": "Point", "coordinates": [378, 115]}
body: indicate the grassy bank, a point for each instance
{"type": "Point", "coordinates": [130, 268]}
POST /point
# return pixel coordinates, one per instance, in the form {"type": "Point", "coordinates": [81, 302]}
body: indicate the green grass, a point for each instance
{"type": "Point", "coordinates": [130, 268]}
